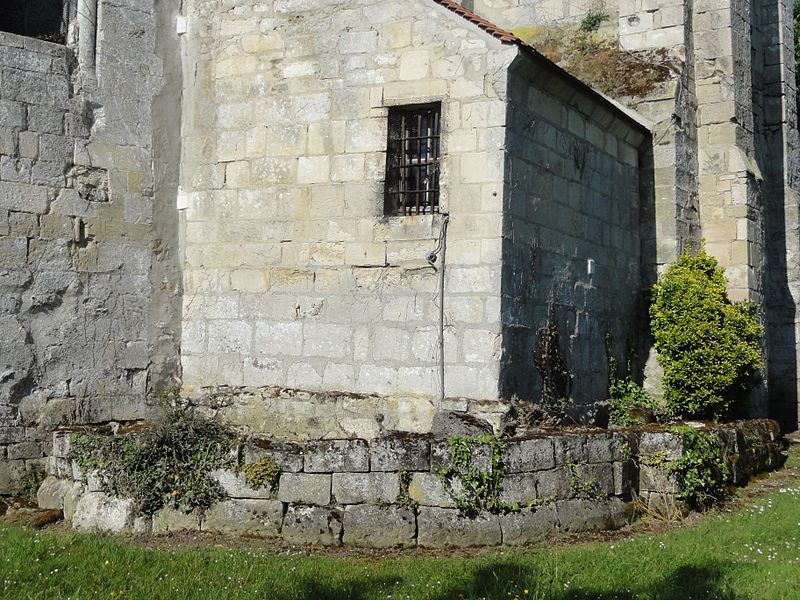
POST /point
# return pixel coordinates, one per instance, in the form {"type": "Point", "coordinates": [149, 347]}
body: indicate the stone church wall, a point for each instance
{"type": "Point", "coordinates": [89, 304]}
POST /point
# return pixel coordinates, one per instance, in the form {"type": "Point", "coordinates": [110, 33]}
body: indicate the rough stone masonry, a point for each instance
{"type": "Point", "coordinates": [192, 193]}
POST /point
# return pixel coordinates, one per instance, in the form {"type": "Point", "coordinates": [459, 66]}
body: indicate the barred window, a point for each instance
{"type": "Point", "coordinates": [412, 160]}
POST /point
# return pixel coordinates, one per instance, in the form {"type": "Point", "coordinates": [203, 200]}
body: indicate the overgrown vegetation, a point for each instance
{"type": "Point", "coordinates": [579, 488]}
{"type": "Point", "coordinates": [592, 21]}
{"type": "Point", "coordinates": [404, 500]}
{"type": "Point", "coordinates": [627, 399]}
{"type": "Point", "coordinates": [708, 346]}
{"type": "Point", "coordinates": [475, 490]}
{"type": "Point", "coordinates": [701, 471]}
{"type": "Point", "coordinates": [598, 61]}
{"type": "Point", "coordinates": [167, 464]}
{"type": "Point", "coordinates": [552, 367]}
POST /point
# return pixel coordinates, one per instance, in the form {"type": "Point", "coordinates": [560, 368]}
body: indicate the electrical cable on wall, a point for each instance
{"type": "Point", "coordinates": [441, 249]}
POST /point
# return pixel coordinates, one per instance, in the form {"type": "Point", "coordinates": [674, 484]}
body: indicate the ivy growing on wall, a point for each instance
{"type": "Point", "coordinates": [167, 464]}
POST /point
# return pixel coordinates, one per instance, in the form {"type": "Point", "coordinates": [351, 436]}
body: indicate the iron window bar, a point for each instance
{"type": "Point", "coordinates": [413, 160]}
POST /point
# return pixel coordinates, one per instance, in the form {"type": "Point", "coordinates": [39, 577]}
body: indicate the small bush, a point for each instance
{"type": "Point", "coordinates": [625, 394]}
{"type": "Point", "coordinates": [708, 347]}
{"type": "Point", "coordinates": [165, 465]}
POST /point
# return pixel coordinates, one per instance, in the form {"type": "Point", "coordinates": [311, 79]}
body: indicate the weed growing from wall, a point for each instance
{"type": "Point", "coordinates": [165, 465]}
{"type": "Point", "coordinates": [29, 483]}
{"type": "Point", "coordinates": [625, 396]}
{"type": "Point", "coordinates": [585, 490]}
{"type": "Point", "coordinates": [708, 347]}
{"type": "Point", "coordinates": [701, 472]}
{"type": "Point", "coordinates": [592, 21]}
{"type": "Point", "coordinates": [552, 368]}
{"type": "Point", "coordinates": [474, 490]}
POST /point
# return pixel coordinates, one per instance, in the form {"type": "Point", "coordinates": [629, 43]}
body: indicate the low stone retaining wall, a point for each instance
{"type": "Point", "coordinates": [388, 492]}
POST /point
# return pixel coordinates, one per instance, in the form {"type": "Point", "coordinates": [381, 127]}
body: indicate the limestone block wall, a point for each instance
{"type": "Point", "coordinates": [293, 275]}
{"type": "Point", "coordinates": [387, 491]}
{"type": "Point", "coordinates": [572, 244]}
{"type": "Point", "coordinates": [87, 275]}
{"type": "Point", "coordinates": [513, 14]}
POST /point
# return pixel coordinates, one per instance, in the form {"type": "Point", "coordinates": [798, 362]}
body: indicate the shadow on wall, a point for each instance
{"type": "Point", "coordinates": [780, 310]}
{"type": "Point", "coordinates": [577, 244]}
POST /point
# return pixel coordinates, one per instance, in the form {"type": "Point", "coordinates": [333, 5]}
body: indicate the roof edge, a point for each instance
{"type": "Point", "coordinates": [628, 114]}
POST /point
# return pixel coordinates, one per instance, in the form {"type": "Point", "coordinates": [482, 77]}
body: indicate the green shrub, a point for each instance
{"type": "Point", "coordinates": [708, 347]}
{"type": "Point", "coordinates": [165, 465]}
{"type": "Point", "coordinates": [701, 472]}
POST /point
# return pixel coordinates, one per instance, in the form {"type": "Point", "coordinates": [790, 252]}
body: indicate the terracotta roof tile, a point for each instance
{"type": "Point", "coordinates": [487, 26]}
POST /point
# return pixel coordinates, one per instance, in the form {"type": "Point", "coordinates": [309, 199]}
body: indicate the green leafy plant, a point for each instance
{"type": "Point", "coordinates": [586, 490]}
{"type": "Point", "coordinates": [472, 489]}
{"type": "Point", "coordinates": [592, 21]}
{"type": "Point", "coordinates": [701, 472]}
{"type": "Point", "coordinates": [165, 465]}
{"type": "Point", "coordinates": [708, 346]}
{"type": "Point", "coordinates": [624, 394]}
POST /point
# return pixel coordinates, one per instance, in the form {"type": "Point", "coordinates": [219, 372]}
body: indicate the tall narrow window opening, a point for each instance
{"type": "Point", "coordinates": [42, 19]}
{"type": "Point", "coordinates": [412, 160]}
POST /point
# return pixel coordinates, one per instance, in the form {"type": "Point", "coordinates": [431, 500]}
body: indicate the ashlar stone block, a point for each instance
{"type": "Point", "coordinates": [247, 517]}
{"type": "Point", "coordinates": [379, 527]}
{"type": "Point", "coordinates": [400, 452]}
{"type": "Point", "coordinates": [312, 525]}
{"type": "Point", "coordinates": [370, 488]}
{"type": "Point", "coordinates": [343, 456]}
{"type": "Point", "coordinates": [449, 528]}
{"type": "Point", "coordinates": [529, 455]}
{"type": "Point", "coordinates": [529, 526]}
{"type": "Point", "coordinates": [305, 488]}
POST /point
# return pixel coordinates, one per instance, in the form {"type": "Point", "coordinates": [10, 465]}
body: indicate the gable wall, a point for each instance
{"type": "Point", "coordinates": [293, 276]}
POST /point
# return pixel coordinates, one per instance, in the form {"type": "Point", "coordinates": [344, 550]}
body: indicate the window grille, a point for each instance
{"type": "Point", "coordinates": [412, 160]}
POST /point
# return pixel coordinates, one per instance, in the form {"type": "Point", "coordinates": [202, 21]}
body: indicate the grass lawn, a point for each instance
{"type": "Point", "coordinates": [752, 551]}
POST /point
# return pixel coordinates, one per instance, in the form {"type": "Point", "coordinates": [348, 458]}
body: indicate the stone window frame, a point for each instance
{"type": "Point", "coordinates": [421, 161]}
